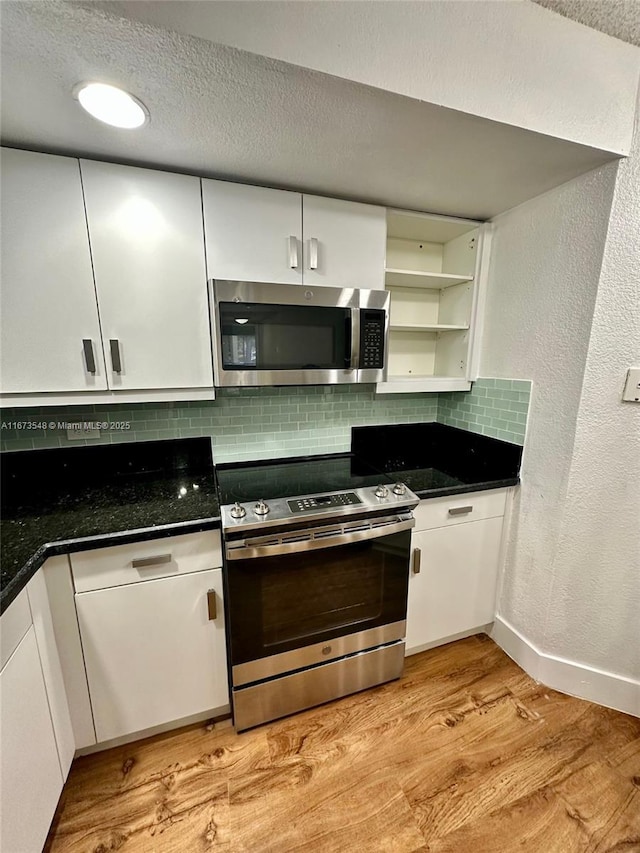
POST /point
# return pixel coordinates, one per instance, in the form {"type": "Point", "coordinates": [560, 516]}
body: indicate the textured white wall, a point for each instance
{"type": "Point", "coordinates": [545, 267]}
{"type": "Point", "coordinates": [511, 61]}
{"type": "Point", "coordinates": [593, 614]}
{"type": "Point", "coordinates": [564, 310]}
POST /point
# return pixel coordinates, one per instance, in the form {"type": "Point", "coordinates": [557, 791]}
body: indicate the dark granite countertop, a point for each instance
{"type": "Point", "coordinates": [77, 499]}
{"type": "Point", "coordinates": [435, 460]}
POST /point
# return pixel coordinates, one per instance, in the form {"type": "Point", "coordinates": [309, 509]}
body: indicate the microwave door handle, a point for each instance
{"type": "Point", "coordinates": [355, 339]}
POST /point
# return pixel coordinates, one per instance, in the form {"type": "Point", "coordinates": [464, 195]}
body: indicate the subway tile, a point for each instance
{"type": "Point", "coordinates": [286, 421]}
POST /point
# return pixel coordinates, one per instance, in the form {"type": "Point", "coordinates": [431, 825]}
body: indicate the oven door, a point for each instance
{"type": "Point", "coordinates": [299, 598]}
{"type": "Point", "coordinates": [276, 334]}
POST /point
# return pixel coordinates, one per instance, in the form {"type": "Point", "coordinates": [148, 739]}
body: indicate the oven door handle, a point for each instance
{"type": "Point", "coordinates": [247, 551]}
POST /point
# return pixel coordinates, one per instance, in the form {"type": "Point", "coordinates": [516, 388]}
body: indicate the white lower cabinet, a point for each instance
{"type": "Point", "coordinates": [154, 651]}
{"type": "Point", "coordinates": [51, 668]}
{"type": "Point", "coordinates": [30, 775]}
{"type": "Point", "coordinates": [454, 569]}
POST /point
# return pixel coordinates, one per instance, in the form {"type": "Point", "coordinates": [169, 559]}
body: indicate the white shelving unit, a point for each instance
{"type": "Point", "coordinates": [428, 327]}
{"type": "Point", "coordinates": [419, 278]}
{"type": "Point", "coordinates": [431, 273]}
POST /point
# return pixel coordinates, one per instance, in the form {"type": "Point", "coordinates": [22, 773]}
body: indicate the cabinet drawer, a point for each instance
{"type": "Point", "coordinates": [443, 512]}
{"type": "Point", "coordinates": [143, 561]}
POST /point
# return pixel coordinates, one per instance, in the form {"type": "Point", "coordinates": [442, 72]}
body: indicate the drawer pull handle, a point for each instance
{"type": "Point", "coordinates": [460, 510]}
{"type": "Point", "coordinates": [416, 561]}
{"type": "Point", "coordinates": [212, 605]}
{"type": "Point", "coordinates": [145, 562]}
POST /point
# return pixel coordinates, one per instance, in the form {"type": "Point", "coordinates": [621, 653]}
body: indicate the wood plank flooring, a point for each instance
{"type": "Point", "coordinates": [464, 753]}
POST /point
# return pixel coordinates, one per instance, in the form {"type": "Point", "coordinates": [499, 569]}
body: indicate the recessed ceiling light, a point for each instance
{"type": "Point", "coordinates": [111, 105]}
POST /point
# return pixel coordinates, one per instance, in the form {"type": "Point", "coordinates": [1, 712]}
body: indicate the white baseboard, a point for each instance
{"type": "Point", "coordinates": [471, 632]}
{"type": "Point", "coordinates": [216, 714]}
{"type": "Point", "coordinates": [567, 676]}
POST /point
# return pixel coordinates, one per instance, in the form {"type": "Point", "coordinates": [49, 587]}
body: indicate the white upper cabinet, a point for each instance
{"type": "Point", "coordinates": [252, 233]}
{"type": "Point", "coordinates": [50, 330]}
{"type": "Point", "coordinates": [435, 271]}
{"type": "Point", "coordinates": [145, 230]}
{"type": "Point", "coordinates": [344, 243]}
{"type": "Point", "coordinates": [261, 234]}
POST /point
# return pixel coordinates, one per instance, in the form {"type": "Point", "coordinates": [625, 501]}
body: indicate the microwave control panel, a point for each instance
{"type": "Point", "coordinates": [372, 338]}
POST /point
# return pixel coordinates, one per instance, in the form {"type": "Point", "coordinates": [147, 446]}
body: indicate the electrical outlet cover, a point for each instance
{"type": "Point", "coordinates": [631, 393]}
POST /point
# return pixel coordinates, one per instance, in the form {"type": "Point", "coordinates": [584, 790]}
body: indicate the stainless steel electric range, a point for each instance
{"type": "Point", "coordinates": [316, 554]}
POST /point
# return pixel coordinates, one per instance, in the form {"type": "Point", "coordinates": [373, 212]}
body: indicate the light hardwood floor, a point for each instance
{"type": "Point", "coordinates": [464, 754]}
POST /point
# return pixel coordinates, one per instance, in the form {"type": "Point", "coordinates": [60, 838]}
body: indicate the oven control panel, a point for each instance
{"type": "Point", "coordinates": [324, 502]}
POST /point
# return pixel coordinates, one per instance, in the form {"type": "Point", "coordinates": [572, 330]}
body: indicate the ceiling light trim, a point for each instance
{"type": "Point", "coordinates": [134, 113]}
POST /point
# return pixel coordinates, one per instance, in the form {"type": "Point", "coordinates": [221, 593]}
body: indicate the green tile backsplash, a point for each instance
{"type": "Point", "coordinates": [259, 423]}
{"type": "Point", "coordinates": [252, 423]}
{"type": "Point", "coordinates": [494, 407]}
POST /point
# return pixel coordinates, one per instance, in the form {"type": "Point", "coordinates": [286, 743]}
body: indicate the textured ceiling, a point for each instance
{"type": "Point", "coordinates": [219, 111]}
{"type": "Point", "coordinates": [618, 18]}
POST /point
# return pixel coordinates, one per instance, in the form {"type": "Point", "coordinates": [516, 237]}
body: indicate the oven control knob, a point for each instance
{"type": "Point", "coordinates": [238, 511]}
{"type": "Point", "coordinates": [399, 489]}
{"type": "Point", "coordinates": [382, 492]}
{"type": "Point", "coordinates": [261, 508]}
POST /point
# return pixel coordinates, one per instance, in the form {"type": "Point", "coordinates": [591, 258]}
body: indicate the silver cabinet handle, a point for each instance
{"type": "Point", "coordinates": [313, 253]}
{"type": "Point", "coordinates": [417, 555]}
{"type": "Point", "coordinates": [460, 510]}
{"type": "Point", "coordinates": [212, 605]}
{"type": "Point", "coordinates": [145, 562]}
{"type": "Point", "coordinates": [114, 347]}
{"type": "Point", "coordinates": [89, 358]}
{"type": "Point", "coordinates": [293, 253]}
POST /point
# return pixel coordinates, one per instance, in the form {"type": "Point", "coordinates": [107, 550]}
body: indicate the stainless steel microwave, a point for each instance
{"type": "Point", "coordinates": [283, 334]}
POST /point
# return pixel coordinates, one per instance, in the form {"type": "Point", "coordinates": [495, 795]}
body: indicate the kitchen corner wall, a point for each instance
{"type": "Point", "coordinates": [562, 308]}
{"type": "Point", "coordinates": [259, 423]}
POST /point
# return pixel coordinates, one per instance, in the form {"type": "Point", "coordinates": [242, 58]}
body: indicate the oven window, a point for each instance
{"type": "Point", "coordinates": [284, 337]}
{"type": "Point", "coordinates": [316, 598]}
{"type": "Point", "coordinates": [284, 602]}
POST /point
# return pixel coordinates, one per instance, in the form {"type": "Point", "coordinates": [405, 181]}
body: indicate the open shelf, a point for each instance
{"type": "Point", "coordinates": [424, 327]}
{"type": "Point", "coordinates": [419, 383]}
{"type": "Point", "coordinates": [395, 277]}
{"type": "Point", "coordinates": [430, 274]}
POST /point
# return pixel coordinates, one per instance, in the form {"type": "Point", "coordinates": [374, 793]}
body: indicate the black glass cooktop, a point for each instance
{"type": "Point", "coordinates": [309, 475]}
{"type": "Point", "coordinates": [421, 479]}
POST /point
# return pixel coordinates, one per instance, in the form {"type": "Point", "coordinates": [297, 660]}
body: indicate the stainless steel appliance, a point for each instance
{"type": "Point", "coordinates": [316, 583]}
{"type": "Point", "coordinates": [281, 334]}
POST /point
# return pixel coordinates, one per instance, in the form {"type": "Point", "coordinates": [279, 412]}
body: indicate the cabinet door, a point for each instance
{"type": "Point", "coordinates": [48, 296]}
{"type": "Point", "coordinates": [252, 233]}
{"type": "Point", "coordinates": [152, 654]}
{"type": "Point", "coordinates": [455, 590]}
{"type": "Point", "coordinates": [30, 776]}
{"type": "Point", "coordinates": [51, 668]}
{"type": "Point", "coordinates": [147, 244]}
{"type": "Point", "coordinates": [344, 243]}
